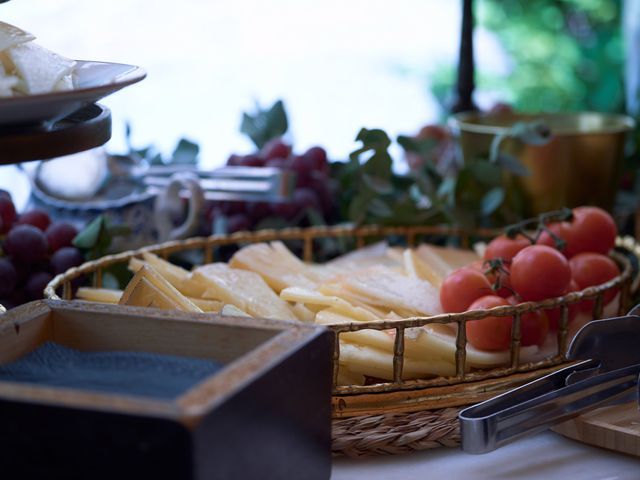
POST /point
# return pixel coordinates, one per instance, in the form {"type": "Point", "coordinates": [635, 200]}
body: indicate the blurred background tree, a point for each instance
{"type": "Point", "coordinates": [566, 55]}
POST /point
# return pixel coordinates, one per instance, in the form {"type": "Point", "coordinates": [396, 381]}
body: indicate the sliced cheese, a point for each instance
{"type": "Point", "coordinates": [11, 36]}
{"type": "Point", "coordinates": [148, 289]}
{"type": "Point", "coordinates": [39, 68]}
{"type": "Point", "coordinates": [311, 297]}
{"type": "Point", "coordinates": [177, 276]}
{"type": "Point", "coordinates": [244, 289]}
{"type": "Point", "coordinates": [99, 295]}
{"type": "Point", "coordinates": [415, 267]}
{"type": "Point", "coordinates": [275, 264]}
{"type": "Point", "coordinates": [384, 287]}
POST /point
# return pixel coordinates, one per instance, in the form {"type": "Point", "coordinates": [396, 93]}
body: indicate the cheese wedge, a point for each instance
{"type": "Point", "coordinates": [244, 289]}
{"type": "Point", "coordinates": [148, 289]}
{"type": "Point", "coordinates": [177, 276]}
{"type": "Point", "coordinates": [11, 36]}
{"type": "Point", "coordinates": [233, 311]}
{"type": "Point", "coordinates": [39, 68]}
{"type": "Point", "coordinates": [275, 264]}
{"type": "Point", "coordinates": [384, 287]}
{"type": "Point", "coordinates": [99, 295]}
{"type": "Point", "coordinates": [377, 363]}
{"type": "Point", "coordinates": [415, 267]}
{"type": "Point", "coordinates": [311, 297]}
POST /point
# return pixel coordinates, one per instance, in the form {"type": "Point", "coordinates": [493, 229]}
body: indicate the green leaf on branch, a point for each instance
{"type": "Point", "coordinates": [379, 185]}
{"type": "Point", "coordinates": [512, 164]}
{"type": "Point", "coordinates": [185, 153]}
{"type": "Point", "coordinates": [492, 200]}
{"type": "Point", "coordinates": [95, 239]}
{"type": "Point", "coordinates": [531, 133]}
{"type": "Point", "coordinates": [264, 125]}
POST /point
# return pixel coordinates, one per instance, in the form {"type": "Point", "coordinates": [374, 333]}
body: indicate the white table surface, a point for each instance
{"type": "Point", "coordinates": [547, 455]}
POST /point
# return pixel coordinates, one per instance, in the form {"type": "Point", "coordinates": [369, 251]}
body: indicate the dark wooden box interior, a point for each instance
{"type": "Point", "coordinates": [266, 414]}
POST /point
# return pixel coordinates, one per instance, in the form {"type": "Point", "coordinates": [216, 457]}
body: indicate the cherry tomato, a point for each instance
{"type": "Point", "coordinates": [562, 230]}
{"type": "Point", "coordinates": [539, 272]}
{"type": "Point", "coordinates": [505, 248]}
{"type": "Point", "coordinates": [502, 275]}
{"type": "Point", "coordinates": [489, 333]}
{"type": "Point", "coordinates": [554, 314]}
{"type": "Point", "coordinates": [534, 326]}
{"type": "Point", "coordinates": [461, 288]}
{"type": "Point", "coordinates": [593, 230]}
{"type": "Point", "coordinates": [589, 269]}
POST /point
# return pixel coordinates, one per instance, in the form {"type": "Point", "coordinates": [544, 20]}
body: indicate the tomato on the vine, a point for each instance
{"type": "Point", "coordinates": [505, 248]}
{"type": "Point", "coordinates": [539, 272]}
{"type": "Point", "coordinates": [553, 314]}
{"type": "Point", "coordinates": [500, 279]}
{"type": "Point", "coordinates": [490, 333]}
{"type": "Point", "coordinates": [461, 288]}
{"type": "Point", "coordinates": [562, 231]}
{"type": "Point", "coordinates": [590, 269]}
{"type": "Point", "coordinates": [593, 231]}
{"type": "Point", "coordinates": [534, 326]}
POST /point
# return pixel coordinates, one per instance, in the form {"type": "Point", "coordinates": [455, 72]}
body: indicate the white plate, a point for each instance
{"type": "Point", "coordinates": [94, 80]}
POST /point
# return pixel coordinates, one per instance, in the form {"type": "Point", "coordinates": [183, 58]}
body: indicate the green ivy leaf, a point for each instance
{"type": "Point", "coordinates": [265, 125]}
{"type": "Point", "coordinates": [512, 164]}
{"type": "Point", "coordinates": [531, 133]}
{"type": "Point", "coordinates": [185, 153]}
{"type": "Point", "coordinates": [358, 207]}
{"type": "Point", "coordinates": [486, 172]}
{"type": "Point", "coordinates": [492, 200]}
{"type": "Point", "coordinates": [379, 208]}
{"type": "Point", "coordinates": [95, 238]}
{"type": "Point", "coordinates": [379, 185]}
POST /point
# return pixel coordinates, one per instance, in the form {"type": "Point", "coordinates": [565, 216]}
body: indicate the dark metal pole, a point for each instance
{"type": "Point", "coordinates": [463, 97]}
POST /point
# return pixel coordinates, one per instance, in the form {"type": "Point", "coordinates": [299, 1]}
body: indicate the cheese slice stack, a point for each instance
{"type": "Point", "coordinates": [26, 68]}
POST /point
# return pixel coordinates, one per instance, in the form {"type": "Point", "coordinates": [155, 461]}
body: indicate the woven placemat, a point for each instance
{"type": "Point", "coordinates": [397, 433]}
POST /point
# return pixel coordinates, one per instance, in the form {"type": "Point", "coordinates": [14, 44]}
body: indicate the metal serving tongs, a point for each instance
{"type": "Point", "coordinates": [607, 353]}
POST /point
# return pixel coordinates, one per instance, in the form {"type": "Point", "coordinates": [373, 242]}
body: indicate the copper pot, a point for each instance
{"type": "Point", "coordinates": [581, 165]}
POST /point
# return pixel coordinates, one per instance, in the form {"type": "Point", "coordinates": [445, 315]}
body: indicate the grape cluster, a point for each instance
{"type": "Point", "coordinates": [312, 188]}
{"type": "Point", "coordinates": [34, 251]}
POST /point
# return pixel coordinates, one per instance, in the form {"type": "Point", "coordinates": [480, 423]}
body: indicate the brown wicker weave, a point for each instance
{"type": "Point", "coordinates": [400, 415]}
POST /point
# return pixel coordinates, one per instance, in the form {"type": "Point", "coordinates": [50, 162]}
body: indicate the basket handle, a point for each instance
{"type": "Point", "coordinates": [168, 206]}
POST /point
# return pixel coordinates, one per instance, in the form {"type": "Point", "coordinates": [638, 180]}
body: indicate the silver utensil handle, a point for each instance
{"type": "Point", "coordinates": [493, 423]}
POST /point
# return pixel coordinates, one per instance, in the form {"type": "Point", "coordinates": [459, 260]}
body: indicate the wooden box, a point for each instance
{"type": "Point", "coordinates": [265, 414]}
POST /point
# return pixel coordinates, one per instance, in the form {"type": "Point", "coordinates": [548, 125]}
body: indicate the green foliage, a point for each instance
{"type": "Point", "coordinates": [96, 237]}
{"type": "Point", "coordinates": [567, 55]}
{"type": "Point", "coordinates": [263, 125]}
{"type": "Point", "coordinates": [479, 193]}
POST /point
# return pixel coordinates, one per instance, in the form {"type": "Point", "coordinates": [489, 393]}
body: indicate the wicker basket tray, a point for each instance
{"type": "Point", "coordinates": [398, 416]}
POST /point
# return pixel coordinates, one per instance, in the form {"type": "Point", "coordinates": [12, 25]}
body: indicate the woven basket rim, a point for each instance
{"type": "Point", "coordinates": [361, 234]}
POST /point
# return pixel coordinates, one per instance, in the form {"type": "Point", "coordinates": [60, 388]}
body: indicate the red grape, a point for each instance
{"type": "Point", "coordinates": [258, 210]}
{"type": "Point", "coordinates": [305, 198]}
{"type": "Point", "coordinates": [36, 283]}
{"type": "Point", "coordinates": [302, 165]}
{"type": "Point", "coordinates": [252, 161]}
{"type": "Point", "coordinates": [286, 210]}
{"type": "Point", "coordinates": [275, 148]}
{"type": "Point", "coordinates": [7, 214]}
{"type": "Point", "coordinates": [37, 218]}
{"type": "Point", "coordinates": [8, 277]}
{"type": "Point", "coordinates": [5, 194]}
{"type": "Point", "coordinates": [64, 259]}
{"type": "Point", "coordinates": [282, 163]}
{"type": "Point", "coordinates": [26, 244]}
{"type": "Point", "coordinates": [238, 222]}
{"type": "Point", "coordinates": [317, 156]}
{"type": "Point", "coordinates": [60, 235]}
{"type": "Point", "coordinates": [234, 160]}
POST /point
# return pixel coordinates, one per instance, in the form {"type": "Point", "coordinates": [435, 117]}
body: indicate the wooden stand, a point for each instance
{"type": "Point", "coordinates": [87, 128]}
